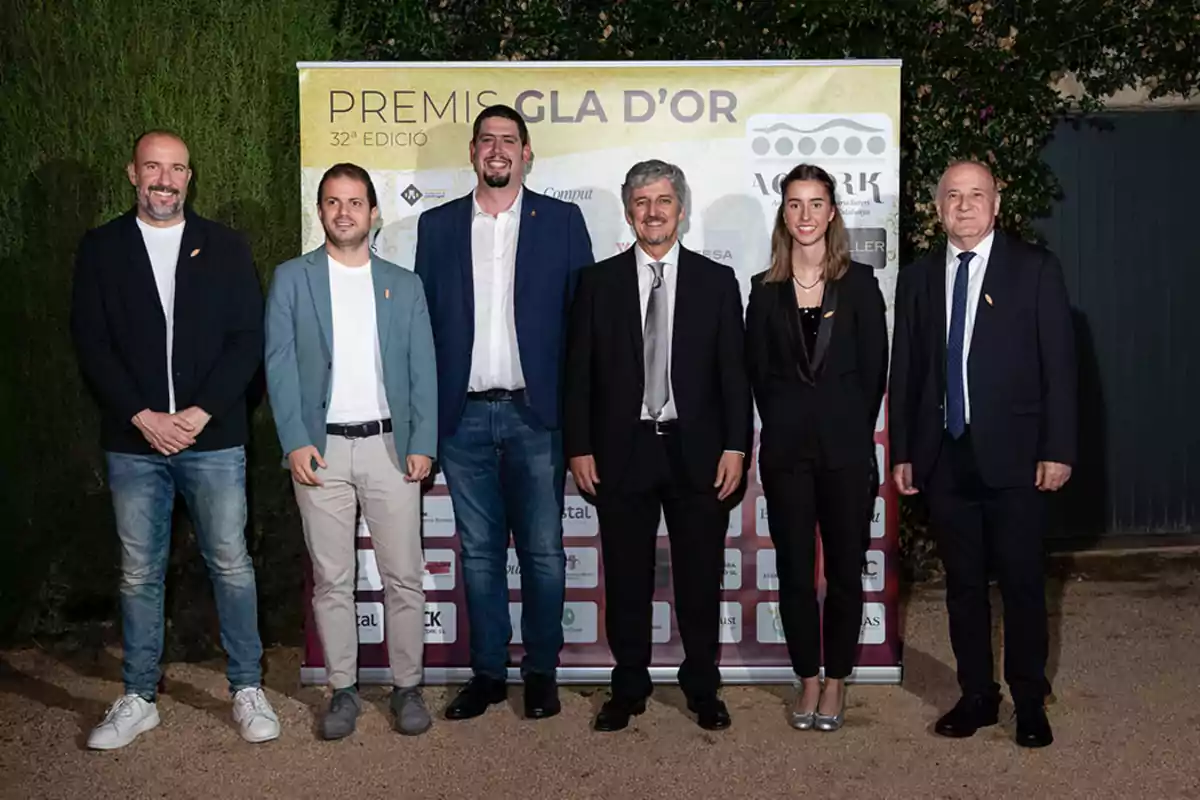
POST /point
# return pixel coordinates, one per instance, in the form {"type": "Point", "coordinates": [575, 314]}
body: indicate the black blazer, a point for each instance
{"type": "Point", "coordinates": [605, 377]}
{"type": "Point", "coordinates": [1021, 371]}
{"type": "Point", "coordinates": [826, 409]}
{"type": "Point", "coordinates": [120, 330]}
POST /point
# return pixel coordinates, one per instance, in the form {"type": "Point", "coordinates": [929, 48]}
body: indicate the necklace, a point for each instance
{"type": "Point", "coordinates": [811, 286]}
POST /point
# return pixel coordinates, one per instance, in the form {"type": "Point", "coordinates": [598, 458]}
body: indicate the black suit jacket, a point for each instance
{"type": "Point", "coordinates": [605, 377]}
{"type": "Point", "coordinates": [120, 330]}
{"type": "Point", "coordinates": [825, 409]}
{"type": "Point", "coordinates": [1021, 371]}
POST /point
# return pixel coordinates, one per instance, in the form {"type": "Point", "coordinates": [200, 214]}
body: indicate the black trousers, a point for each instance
{"type": "Point", "coordinates": [981, 529]}
{"type": "Point", "coordinates": [797, 500]}
{"type": "Point", "coordinates": [628, 508]}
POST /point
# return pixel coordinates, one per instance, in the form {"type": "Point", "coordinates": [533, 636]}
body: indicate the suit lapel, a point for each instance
{"type": "Point", "coordinates": [317, 271]}
{"type": "Point", "coordinates": [789, 315]}
{"type": "Point", "coordinates": [996, 281]}
{"type": "Point", "coordinates": [462, 235]}
{"type": "Point", "coordinates": [630, 304]}
{"type": "Point", "coordinates": [141, 271]}
{"type": "Point", "coordinates": [384, 293]}
{"type": "Point", "coordinates": [188, 268]}
{"type": "Point", "coordinates": [528, 231]}
{"type": "Point", "coordinates": [685, 310]}
{"type": "Point", "coordinates": [829, 304]}
{"type": "Point", "coordinates": [937, 299]}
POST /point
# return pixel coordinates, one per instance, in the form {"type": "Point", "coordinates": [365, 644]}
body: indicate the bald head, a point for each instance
{"type": "Point", "coordinates": [967, 203]}
{"type": "Point", "coordinates": [160, 172]}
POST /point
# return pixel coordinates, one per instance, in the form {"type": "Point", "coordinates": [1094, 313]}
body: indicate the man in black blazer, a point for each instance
{"type": "Point", "coordinates": [166, 316]}
{"type": "Point", "coordinates": [658, 416]}
{"type": "Point", "coordinates": [983, 420]}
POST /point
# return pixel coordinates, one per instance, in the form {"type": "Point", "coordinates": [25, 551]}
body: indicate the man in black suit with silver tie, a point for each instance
{"type": "Point", "coordinates": [983, 422]}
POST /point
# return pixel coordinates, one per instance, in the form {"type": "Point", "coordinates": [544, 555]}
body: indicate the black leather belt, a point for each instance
{"type": "Point", "coordinates": [668, 427]}
{"type": "Point", "coordinates": [359, 430]}
{"type": "Point", "coordinates": [497, 395]}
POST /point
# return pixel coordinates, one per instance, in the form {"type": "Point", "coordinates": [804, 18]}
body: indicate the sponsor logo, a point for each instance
{"type": "Point", "coordinates": [660, 622]}
{"type": "Point", "coordinates": [732, 578]}
{"type": "Point", "coordinates": [760, 516]}
{"type": "Point", "coordinates": [579, 518]}
{"type": "Point", "coordinates": [768, 578]}
{"type": "Point", "coordinates": [662, 568]}
{"type": "Point", "coordinates": [873, 575]}
{"type": "Point", "coordinates": [370, 622]}
{"type": "Point", "coordinates": [514, 620]}
{"type": "Point", "coordinates": [441, 623]}
{"type": "Point", "coordinates": [869, 246]}
{"type": "Point", "coordinates": [872, 630]}
{"type": "Point", "coordinates": [513, 570]}
{"type": "Point", "coordinates": [368, 572]}
{"type": "Point", "coordinates": [583, 568]}
{"type": "Point", "coordinates": [569, 195]}
{"type": "Point", "coordinates": [878, 517]}
{"type": "Point", "coordinates": [880, 462]}
{"type": "Point", "coordinates": [411, 195]}
{"type": "Point", "coordinates": [437, 516]}
{"type": "Point", "coordinates": [735, 522]}
{"type": "Point", "coordinates": [768, 625]}
{"type": "Point", "coordinates": [731, 623]}
{"type": "Point", "coordinates": [439, 570]}
{"type": "Point", "coordinates": [579, 622]}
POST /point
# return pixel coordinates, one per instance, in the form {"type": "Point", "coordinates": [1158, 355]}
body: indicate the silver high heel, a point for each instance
{"type": "Point", "coordinates": [801, 720]}
{"type": "Point", "coordinates": [831, 722]}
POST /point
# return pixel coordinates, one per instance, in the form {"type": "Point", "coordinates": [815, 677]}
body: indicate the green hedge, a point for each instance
{"type": "Point", "coordinates": [79, 79]}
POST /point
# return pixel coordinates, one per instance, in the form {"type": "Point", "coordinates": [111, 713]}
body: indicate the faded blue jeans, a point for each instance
{"type": "Point", "coordinates": [213, 484]}
{"type": "Point", "coordinates": [505, 473]}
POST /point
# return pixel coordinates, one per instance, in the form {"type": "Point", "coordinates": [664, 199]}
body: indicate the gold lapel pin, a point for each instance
{"type": "Point", "coordinates": [828, 314]}
{"type": "Point", "coordinates": [988, 298]}
{"type": "Point", "coordinates": [387, 294]}
{"type": "Point", "coordinates": [533, 212]}
{"type": "Point", "coordinates": [195, 252]}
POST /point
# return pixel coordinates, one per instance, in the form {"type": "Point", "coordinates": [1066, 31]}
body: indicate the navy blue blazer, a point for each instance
{"type": "Point", "coordinates": [552, 246]}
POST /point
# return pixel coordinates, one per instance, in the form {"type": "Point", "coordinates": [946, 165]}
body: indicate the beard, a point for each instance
{"type": "Point", "coordinates": [346, 239]}
{"type": "Point", "coordinates": [498, 180]}
{"type": "Point", "coordinates": [656, 237]}
{"type": "Point", "coordinates": [156, 212]}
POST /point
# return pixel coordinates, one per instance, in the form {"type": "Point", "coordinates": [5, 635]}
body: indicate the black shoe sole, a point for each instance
{"type": "Point", "coordinates": [457, 715]}
{"type": "Point", "coordinates": [965, 733]}
{"type": "Point", "coordinates": [542, 713]}
{"type": "Point", "coordinates": [635, 710]}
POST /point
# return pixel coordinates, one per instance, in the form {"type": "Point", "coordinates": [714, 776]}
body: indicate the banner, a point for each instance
{"type": "Point", "coordinates": [735, 128]}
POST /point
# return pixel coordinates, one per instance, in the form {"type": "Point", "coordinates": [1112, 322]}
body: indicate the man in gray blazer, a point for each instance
{"type": "Point", "coordinates": [353, 386]}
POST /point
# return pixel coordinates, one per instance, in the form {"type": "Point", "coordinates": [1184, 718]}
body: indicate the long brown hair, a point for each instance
{"type": "Point", "coordinates": [837, 241]}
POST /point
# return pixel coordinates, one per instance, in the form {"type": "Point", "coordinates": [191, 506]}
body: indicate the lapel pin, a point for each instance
{"type": "Point", "coordinates": [988, 298]}
{"type": "Point", "coordinates": [195, 252]}
{"type": "Point", "coordinates": [533, 212]}
{"type": "Point", "coordinates": [828, 314]}
{"type": "Point", "coordinates": [387, 294]}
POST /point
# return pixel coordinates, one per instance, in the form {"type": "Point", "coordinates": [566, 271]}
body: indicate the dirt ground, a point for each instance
{"type": "Point", "coordinates": [1126, 715]}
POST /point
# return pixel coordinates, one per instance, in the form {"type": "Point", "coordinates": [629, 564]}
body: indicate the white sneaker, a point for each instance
{"type": "Point", "coordinates": [128, 718]}
{"type": "Point", "coordinates": [255, 717]}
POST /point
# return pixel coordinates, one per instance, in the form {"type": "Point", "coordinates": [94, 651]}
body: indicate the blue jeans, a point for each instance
{"type": "Point", "coordinates": [505, 471]}
{"type": "Point", "coordinates": [213, 484]}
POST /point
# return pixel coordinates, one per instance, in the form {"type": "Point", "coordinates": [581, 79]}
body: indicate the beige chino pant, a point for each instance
{"type": "Point", "coordinates": [365, 472]}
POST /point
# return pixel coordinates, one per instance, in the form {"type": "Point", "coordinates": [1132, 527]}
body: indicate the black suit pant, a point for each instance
{"type": "Point", "coordinates": [981, 530]}
{"type": "Point", "coordinates": [629, 507]}
{"type": "Point", "coordinates": [798, 499]}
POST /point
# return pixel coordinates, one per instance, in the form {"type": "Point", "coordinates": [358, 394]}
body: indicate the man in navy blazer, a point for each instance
{"type": "Point", "coordinates": [982, 408]}
{"type": "Point", "coordinates": [350, 371]}
{"type": "Point", "coordinates": [499, 267]}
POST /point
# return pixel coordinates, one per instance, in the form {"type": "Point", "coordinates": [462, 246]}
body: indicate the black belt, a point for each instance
{"type": "Point", "coordinates": [359, 430]}
{"type": "Point", "coordinates": [668, 427]}
{"type": "Point", "coordinates": [497, 395]}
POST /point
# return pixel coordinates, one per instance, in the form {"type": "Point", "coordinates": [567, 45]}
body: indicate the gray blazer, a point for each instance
{"type": "Point", "coordinates": [299, 353]}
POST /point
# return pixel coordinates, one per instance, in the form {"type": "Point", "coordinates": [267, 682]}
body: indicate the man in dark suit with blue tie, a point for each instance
{"type": "Point", "coordinates": [983, 420]}
{"type": "Point", "coordinates": [499, 267]}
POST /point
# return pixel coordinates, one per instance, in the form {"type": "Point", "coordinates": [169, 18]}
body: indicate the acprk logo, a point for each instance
{"type": "Point", "coordinates": [441, 623]}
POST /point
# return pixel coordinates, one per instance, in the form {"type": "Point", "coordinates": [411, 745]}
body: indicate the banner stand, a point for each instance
{"type": "Point", "coordinates": [439, 676]}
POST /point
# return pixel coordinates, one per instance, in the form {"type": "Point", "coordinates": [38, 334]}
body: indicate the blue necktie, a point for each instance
{"type": "Point", "coordinates": [956, 403]}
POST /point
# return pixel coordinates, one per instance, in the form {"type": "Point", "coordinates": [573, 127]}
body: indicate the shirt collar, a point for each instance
{"type": "Point", "coordinates": [644, 259]}
{"type": "Point", "coordinates": [983, 249]}
{"type": "Point", "coordinates": [514, 209]}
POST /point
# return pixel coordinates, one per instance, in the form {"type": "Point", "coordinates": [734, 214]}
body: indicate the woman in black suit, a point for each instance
{"type": "Point", "coordinates": [816, 341]}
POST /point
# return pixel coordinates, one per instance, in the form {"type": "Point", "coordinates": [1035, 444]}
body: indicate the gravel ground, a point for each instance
{"type": "Point", "coordinates": [1126, 716]}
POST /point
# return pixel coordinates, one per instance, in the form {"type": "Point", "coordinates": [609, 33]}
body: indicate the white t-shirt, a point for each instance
{"type": "Point", "coordinates": [162, 245]}
{"type": "Point", "coordinates": [358, 393]}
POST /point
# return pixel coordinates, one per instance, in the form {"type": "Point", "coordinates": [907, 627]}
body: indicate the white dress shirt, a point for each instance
{"type": "Point", "coordinates": [645, 275]}
{"type": "Point", "coordinates": [495, 359]}
{"type": "Point", "coordinates": [357, 393]}
{"type": "Point", "coordinates": [975, 272]}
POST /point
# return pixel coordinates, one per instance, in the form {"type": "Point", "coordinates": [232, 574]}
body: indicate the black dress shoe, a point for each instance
{"type": "Point", "coordinates": [615, 713]}
{"type": "Point", "coordinates": [971, 713]}
{"type": "Point", "coordinates": [474, 698]}
{"type": "Point", "coordinates": [541, 696]}
{"type": "Point", "coordinates": [711, 713]}
{"type": "Point", "coordinates": [1033, 729]}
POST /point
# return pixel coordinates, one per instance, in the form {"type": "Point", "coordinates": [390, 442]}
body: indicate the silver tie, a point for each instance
{"type": "Point", "coordinates": [655, 342]}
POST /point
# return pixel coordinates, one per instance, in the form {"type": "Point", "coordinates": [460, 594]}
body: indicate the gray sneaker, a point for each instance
{"type": "Point", "coordinates": [410, 716]}
{"type": "Point", "coordinates": [342, 716]}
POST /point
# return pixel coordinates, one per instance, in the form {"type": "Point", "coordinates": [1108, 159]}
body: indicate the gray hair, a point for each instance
{"type": "Point", "coordinates": [645, 173]}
